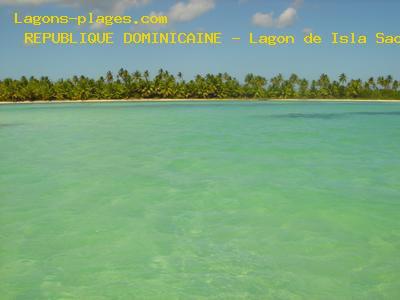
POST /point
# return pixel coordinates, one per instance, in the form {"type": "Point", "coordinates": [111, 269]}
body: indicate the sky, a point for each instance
{"type": "Point", "coordinates": [234, 18]}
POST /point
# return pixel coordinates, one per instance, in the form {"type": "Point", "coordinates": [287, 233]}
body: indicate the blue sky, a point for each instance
{"type": "Point", "coordinates": [232, 18]}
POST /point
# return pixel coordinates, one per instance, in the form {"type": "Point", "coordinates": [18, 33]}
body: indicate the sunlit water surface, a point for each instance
{"type": "Point", "coordinates": [200, 201]}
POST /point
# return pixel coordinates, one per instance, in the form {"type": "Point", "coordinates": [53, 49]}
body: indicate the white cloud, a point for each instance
{"type": "Point", "coordinates": [263, 20]}
{"type": "Point", "coordinates": [183, 12]}
{"type": "Point", "coordinates": [285, 19]}
{"type": "Point", "coordinates": [118, 7]}
{"type": "Point", "coordinates": [297, 3]}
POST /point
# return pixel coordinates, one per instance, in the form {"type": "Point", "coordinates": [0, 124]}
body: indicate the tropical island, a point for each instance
{"type": "Point", "coordinates": [140, 85]}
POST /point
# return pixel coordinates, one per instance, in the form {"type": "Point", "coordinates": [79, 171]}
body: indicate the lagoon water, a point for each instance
{"type": "Point", "coordinates": [200, 200]}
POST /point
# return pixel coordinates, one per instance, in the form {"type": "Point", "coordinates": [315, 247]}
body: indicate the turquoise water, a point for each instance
{"type": "Point", "coordinates": [200, 201]}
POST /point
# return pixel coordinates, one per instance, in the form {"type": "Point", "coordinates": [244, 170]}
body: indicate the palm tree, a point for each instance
{"type": "Point", "coordinates": [395, 85]}
{"type": "Point", "coordinates": [388, 82]}
{"type": "Point", "coordinates": [381, 81]}
{"type": "Point", "coordinates": [222, 85]}
{"type": "Point", "coordinates": [180, 76]}
{"type": "Point", "coordinates": [342, 79]}
{"type": "Point", "coordinates": [324, 84]}
{"type": "Point", "coordinates": [109, 77]}
{"type": "Point", "coordinates": [371, 83]}
{"type": "Point", "coordinates": [354, 88]}
{"type": "Point", "coordinates": [303, 88]}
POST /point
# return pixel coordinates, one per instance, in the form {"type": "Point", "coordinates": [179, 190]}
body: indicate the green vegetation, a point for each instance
{"type": "Point", "coordinates": [165, 85]}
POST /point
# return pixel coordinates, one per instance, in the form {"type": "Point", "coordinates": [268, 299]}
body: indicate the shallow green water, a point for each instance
{"type": "Point", "coordinates": [200, 201]}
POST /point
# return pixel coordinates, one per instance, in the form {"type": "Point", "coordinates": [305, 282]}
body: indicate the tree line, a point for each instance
{"type": "Point", "coordinates": [139, 85]}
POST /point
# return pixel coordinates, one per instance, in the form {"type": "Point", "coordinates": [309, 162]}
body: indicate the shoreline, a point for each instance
{"type": "Point", "coordinates": [199, 100]}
